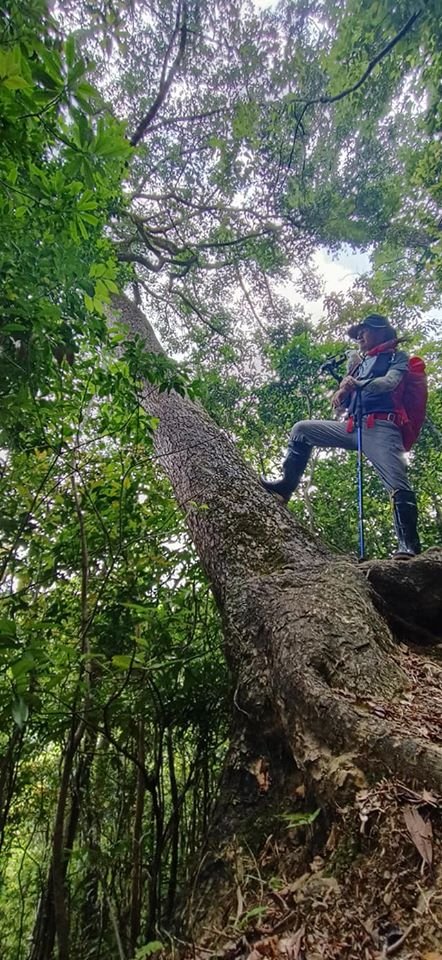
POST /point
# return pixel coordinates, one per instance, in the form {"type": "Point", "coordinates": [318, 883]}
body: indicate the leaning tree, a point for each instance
{"type": "Point", "coordinates": [304, 640]}
{"type": "Point", "coordinates": [322, 692]}
{"type": "Point", "coordinates": [325, 700]}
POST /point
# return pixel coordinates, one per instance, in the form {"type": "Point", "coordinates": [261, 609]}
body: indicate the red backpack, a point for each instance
{"type": "Point", "coordinates": [410, 401]}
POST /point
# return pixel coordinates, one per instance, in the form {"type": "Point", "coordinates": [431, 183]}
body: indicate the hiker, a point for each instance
{"type": "Point", "coordinates": [378, 375]}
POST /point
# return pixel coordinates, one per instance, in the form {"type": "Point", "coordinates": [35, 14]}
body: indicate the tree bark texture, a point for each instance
{"type": "Point", "coordinates": [312, 657]}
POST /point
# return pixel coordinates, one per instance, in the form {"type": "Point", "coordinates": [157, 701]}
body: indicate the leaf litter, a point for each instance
{"type": "Point", "coordinates": [373, 891]}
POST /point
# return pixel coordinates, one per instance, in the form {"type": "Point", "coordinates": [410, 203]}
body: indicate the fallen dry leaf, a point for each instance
{"type": "Point", "coordinates": [431, 798]}
{"type": "Point", "coordinates": [264, 948]}
{"type": "Point", "coordinates": [290, 947]}
{"type": "Point", "coordinates": [421, 833]}
{"type": "Point", "coordinates": [332, 839]}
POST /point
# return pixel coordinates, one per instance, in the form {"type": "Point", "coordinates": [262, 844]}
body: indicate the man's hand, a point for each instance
{"type": "Point", "coordinates": [338, 399]}
{"type": "Point", "coordinates": [346, 386]}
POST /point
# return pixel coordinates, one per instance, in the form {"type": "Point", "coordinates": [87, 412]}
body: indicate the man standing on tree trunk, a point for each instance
{"type": "Point", "coordinates": [377, 376]}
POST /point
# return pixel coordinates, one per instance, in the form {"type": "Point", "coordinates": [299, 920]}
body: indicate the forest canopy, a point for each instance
{"type": "Point", "coordinates": [190, 159]}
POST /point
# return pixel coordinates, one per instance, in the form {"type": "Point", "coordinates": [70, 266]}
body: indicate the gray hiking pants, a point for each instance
{"type": "Point", "coordinates": [381, 444]}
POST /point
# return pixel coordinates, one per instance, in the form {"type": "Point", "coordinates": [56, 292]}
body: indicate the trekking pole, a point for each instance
{"type": "Point", "coordinates": [360, 476]}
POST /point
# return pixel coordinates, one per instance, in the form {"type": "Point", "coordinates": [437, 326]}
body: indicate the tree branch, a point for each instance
{"type": "Point", "coordinates": [189, 118]}
{"type": "Point", "coordinates": [166, 78]}
{"type": "Point", "coordinates": [373, 63]}
{"type": "Point", "coordinates": [271, 229]}
{"type": "Point", "coordinates": [250, 303]}
{"type": "Point", "coordinates": [192, 306]}
{"type": "Point", "coordinates": [143, 261]}
{"type": "Point", "coordinates": [348, 90]}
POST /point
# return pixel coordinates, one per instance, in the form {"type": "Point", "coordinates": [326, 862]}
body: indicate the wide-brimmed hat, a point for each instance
{"type": "Point", "coordinates": [376, 322]}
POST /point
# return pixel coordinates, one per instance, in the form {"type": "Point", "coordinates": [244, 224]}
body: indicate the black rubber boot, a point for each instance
{"type": "Point", "coordinates": [292, 469]}
{"type": "Point", "coordinates": [405, 524]}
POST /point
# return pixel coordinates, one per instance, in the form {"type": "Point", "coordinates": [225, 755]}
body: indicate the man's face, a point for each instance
{"type": "Point", "coordinates": [369, 338]}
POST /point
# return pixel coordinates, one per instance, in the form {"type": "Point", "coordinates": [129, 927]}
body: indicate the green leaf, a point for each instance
{"type": "Point", "coordinates": [97, 269]}
{"type": "Point", "coordinates": [245, 120]}
{"type": "Point", "coordinates": [108, 146]}
{"type": "Point", "coordinates": [137, 606]}
{"type": "Point", "coordinates": [154, 946]}
{"type": "Point", "coordinates": [122, 661]}
{"type": "Point", "coordinates": [90, 218]}
{"type": "Point", "coordinates": [98, 305]}
{"type": "Point", "coordinates": [15, 82]}
{"type": "Point", "coordinates": [77, 71]}
{"type": "Point", "coordinates": [87, 201]}
{"type": "Point", "coordinates": [86, 89]}
{"type": "Point", "coordinates": [83, 132]}
{"type": "Point", "coordinates": [12, 174]}
{"type": "Point", "coordinates": [254, 912]}
{"type": "Point", "coordinates": [111, 285]}
{"type": "Point", "coordinates": [69, 48]}
{"type": "Point", "coordinates": [10, 61]}
{"type": "Point", "coordinates": [42, 76]}
{"type": "Point", "coordinates": [101, 290]}
{"type": "Point", "coordinates": [7, 627]}
{"type": "Point", "coordinates": [300, 819]}
{"type": "Point", "coordinates": [82, 228]}
{"type": "Point", "coordinates": [24, 665]}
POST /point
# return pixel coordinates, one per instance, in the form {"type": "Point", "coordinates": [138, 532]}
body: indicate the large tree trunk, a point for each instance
{"type": "Point", "coordinates": [321, 688]}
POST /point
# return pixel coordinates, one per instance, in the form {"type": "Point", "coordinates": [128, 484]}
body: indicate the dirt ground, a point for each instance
{"type": "Point", "coordinates": [373, 891]}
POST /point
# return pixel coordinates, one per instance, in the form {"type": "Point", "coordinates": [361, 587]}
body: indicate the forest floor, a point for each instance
{"type": "Point", "coordinates": [374, 891]}
{"type": "Point", "coordinates": [367, 886]}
